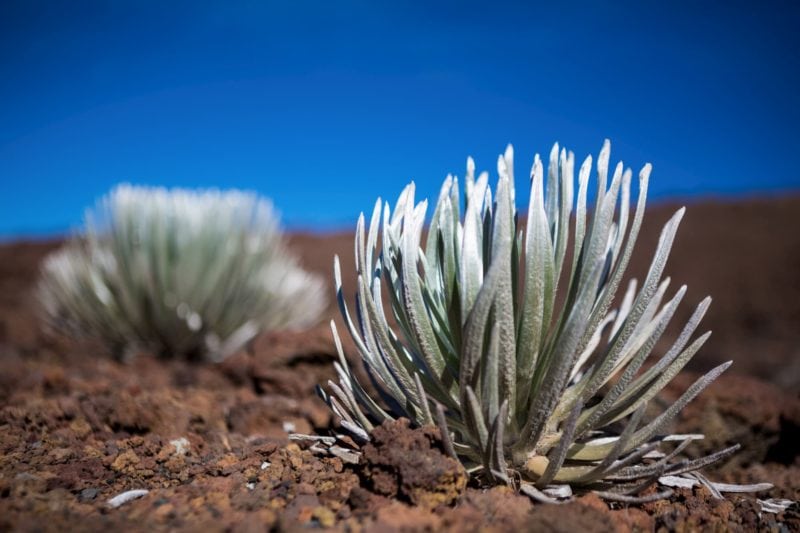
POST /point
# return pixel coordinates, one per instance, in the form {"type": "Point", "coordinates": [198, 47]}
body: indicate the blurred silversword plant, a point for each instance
{"type": "Point", "coordinates": [178, 271]}
{"type": "Point", "coordinates": [525, 386]}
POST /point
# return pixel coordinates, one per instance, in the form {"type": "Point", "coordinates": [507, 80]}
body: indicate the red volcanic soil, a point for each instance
{"type": "Point", "coordinates": [210, 442]}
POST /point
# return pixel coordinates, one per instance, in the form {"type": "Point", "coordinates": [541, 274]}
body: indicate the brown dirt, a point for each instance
{"type": "Point", "coordinates": [77, 428]}
{"type": "Point", "coordinates": [409, 465]}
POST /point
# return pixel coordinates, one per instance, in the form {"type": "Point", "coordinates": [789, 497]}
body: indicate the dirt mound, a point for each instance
{"type": "Point", "coordinates": [411, 466]}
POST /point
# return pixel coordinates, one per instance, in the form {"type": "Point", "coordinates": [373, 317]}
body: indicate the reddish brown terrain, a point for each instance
{"type": "Point", "coordinates": [210, 442]}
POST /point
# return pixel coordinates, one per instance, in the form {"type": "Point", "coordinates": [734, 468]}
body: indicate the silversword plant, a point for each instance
{"type": "Point", "coordinates": [182, 272]}
{"type": "Point", "coordinates": [505, 336]}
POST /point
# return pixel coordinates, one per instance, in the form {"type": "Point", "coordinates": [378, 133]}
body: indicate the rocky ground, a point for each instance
{"type": "Point", "coordinates": [210, 442]}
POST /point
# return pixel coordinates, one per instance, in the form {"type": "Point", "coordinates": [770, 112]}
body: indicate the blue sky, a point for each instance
{"type": "Point", "coordinates": [326, 106]}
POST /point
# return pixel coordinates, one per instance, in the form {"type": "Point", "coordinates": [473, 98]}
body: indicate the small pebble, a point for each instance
{"type": "Point", "coordinates": [88, 494]}
{"type": "Point", "coordinates": [181, 445]}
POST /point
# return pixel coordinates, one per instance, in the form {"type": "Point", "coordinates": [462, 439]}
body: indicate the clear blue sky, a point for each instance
{"type": "Point", "coordinates": [325, 106]}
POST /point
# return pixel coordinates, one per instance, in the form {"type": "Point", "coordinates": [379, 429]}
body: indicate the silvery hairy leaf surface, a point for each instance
{"type": "Point", "coordinates": [181, 272]}
{"type": "Point", "coordinates": [510, 332]}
